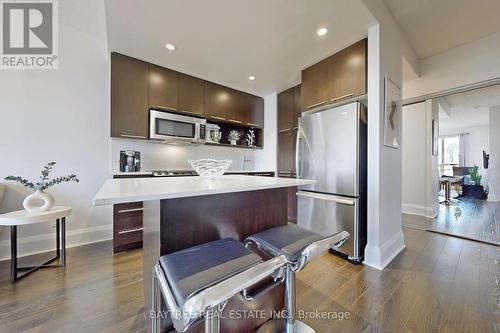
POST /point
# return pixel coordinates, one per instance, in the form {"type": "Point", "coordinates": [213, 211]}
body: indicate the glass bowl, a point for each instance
{"type": "Point", "coordinates": [209, 168]}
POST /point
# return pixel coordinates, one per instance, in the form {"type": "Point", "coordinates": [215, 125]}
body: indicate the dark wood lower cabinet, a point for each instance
{"type": "Point", "coordinates": [292, 204]}
{"type": "Point", "coordinates": [127, 226]}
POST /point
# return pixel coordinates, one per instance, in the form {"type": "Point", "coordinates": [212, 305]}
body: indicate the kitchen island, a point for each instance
{"type": "Point", "coordinates": [183, 212]}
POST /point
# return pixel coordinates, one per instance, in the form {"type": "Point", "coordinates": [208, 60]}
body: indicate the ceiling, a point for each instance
{"type": "Point", "coordinates": [226, 41]}
{"type": "Point", "coordinates": [469, 108]}
{"type": "Point", "coordinates": [434, 26]}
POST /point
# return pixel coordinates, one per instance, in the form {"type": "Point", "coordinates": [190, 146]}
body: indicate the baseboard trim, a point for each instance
{"type": "Point", "coordinates": [419, 210]}
{"type": "Point", "coordinates": [46, 242]}
{"type": "Point", "coordinates": [414, 209]}
{"type": "Point", "coordinates": [380, 257]}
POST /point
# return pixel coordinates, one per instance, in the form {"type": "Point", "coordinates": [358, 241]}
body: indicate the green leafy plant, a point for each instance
{"type": "Point", "coordinates": [44, 182]}
{"type": "Point", "coordinates": [474, 175]}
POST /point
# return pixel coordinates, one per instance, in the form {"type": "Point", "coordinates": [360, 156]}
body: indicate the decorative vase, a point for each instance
{"type": "Point", "coordinates": [233, 142]}
{"type": "Point", "coordinates": [30, 202]}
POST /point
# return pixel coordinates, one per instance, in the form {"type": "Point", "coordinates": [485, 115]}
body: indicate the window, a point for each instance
{"type": "Point", "coordinates": [448, 154]}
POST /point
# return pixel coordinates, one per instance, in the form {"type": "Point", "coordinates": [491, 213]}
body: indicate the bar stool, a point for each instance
{"type": "Point", "coordinates": [299, 246]}
{"type": "Point", "coordinates": [198, 281]}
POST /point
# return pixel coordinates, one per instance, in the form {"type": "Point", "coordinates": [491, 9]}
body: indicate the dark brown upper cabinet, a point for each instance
{"type": "Point", "coordinates": [191, 94]}
{"type": "Point", "coordinates": [316, 85]}
{"type": "Point", "coordinates": [285, 110]}
{"type": "Point", "coordinates": [348, 72]}
{"type": "Point", "coordinates": [129, 97]}
{"type": "Point", "coordinates": [163, 88]}
{"type": "Point", "coordinates": [255, 111]}
{"type": "Point", "coordinates": [219, 101]}
{"type": "Point", "coordinates": [336, 78]}
{"type": "Point", "coordinates": [137, 86]}
{"type": "Point", "coordinates": [297, 104]}
{"type": "Point", "coordinates": [237, 114]}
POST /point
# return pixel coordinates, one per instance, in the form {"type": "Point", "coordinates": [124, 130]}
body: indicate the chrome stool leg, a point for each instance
{"type": "Point", "coordinates": [156, 304]}
{"type": "Point", "coordinates": [289, 300]}
{"type": "Point", "coordinates": [212, 320]}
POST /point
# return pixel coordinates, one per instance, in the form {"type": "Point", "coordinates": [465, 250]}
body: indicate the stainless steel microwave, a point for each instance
{"type": "Point", "coordinates": [176, 128]}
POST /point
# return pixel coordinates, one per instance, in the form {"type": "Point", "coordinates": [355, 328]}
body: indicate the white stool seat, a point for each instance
{"type": "Point", "coordinates": [23, 217]}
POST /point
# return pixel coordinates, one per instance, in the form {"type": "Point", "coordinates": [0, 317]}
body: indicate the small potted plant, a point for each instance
{"type": "Point", "coordinates": [29, 202]}
{"type": "Point", "coordinates": [233, 137]}
{"type": "Point", "coordinates": [475, 189]}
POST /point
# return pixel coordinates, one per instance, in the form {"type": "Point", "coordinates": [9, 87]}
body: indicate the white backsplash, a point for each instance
{"type": "Point", "coordinates": [157, 156]}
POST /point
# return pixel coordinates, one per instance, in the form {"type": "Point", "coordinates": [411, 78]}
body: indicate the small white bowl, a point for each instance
{"type": "Point", "coordinates": [209, 168]}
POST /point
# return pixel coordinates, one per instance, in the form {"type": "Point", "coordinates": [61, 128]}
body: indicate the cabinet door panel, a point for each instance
{"type": "Point", "coordinates": [164, 88]}
{"type": "Point", "coordinates": [297, 104]}
{"type": "Point", "coordinates": [191, 90]}
{"type": "Point", "coordinates": [285, 110]}
{"type": "Point", "coordinates": [129, 97]}
{"type": "Point", "coordinates": [292, 204]}
{"type": "Point", "coordinates": [237, 114]}
{"type": "Point", "coordinates": [316, 85]}
{"type": "Point", "coordinates": [348, 72]}
{"type": "Point", "coordinates": [286, 153]}
{"type": "Point", "coordinates": [255, 111]}
{"type": "Point", "coordinates": [218, 101]}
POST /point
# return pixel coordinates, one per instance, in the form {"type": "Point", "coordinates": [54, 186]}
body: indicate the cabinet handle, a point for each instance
{"type": "Point", "coordinates": [252, 124]}
{"type": "Point", "coordinates": [235, 121]}
{"type": "Point", "coordinates": [133, 136]}
{"type": "Point", "coordinates": [317, 104]}
{"type": "Point", "coordinates": [130, 210]}
{"type": "Point", "coordinates": [295, 128]}
{"type": "Point", "coordinates": [285, 130]}
{"type": "Point", "coordinates": [127, 231]}
{"type": "Point", "coordinates": [342, 97]}
{"type": "Point", "coordinates": [215, 117]}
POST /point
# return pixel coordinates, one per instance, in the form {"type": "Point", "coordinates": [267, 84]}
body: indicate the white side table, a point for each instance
{"type": "Point", "coordinates": [22, 217]}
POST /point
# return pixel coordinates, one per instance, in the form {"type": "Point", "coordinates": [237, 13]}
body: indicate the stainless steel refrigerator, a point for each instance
{"type": "Point", "coordinates": [332, 148]}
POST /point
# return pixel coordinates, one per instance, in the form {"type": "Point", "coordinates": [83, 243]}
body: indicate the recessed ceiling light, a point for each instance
{"type": "Point", "coordinates": [321, 31]}
{"type": "Point", "coordinates": [251, 77]}
{"type": "Point", "coordinates": [170, 47]}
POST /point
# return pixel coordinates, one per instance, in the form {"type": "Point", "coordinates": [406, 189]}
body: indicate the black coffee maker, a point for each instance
{"type": "Point", "coordinates": [130, 161]}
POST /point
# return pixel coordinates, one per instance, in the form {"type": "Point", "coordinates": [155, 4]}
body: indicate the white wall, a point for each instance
{"type": "Point", "coordinates": [466, 64]}
{"type": "Point", "coordinates": [267, 158]}
{"type": "Point", "coordinates": [414, 158]}
{"type": "Point", "coordinates": [494, 168]}
{"type": "Point", "coordinates": [476, 139]}
{"type": "Point", "coordinates": [431, 161]}
{"type": "Point", "coordinates": [60, 115]}
{"type": "Point", "coordinates": [385, 54]}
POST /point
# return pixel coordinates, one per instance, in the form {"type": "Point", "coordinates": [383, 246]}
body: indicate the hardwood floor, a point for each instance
{"type": "Point", "coordinates": [437, 284]}
{"type": "Point", "coordinates": [470, 218]}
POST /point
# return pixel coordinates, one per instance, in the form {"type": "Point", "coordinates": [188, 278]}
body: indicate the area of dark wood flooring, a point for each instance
{"type": "Point", "coordinates": [470, 218]}
{"type": "Point", "coordinates": [437, 284]}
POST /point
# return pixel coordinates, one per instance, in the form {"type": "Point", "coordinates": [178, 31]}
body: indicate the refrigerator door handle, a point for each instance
{"type": "Point", "coordinates": [327, 197]}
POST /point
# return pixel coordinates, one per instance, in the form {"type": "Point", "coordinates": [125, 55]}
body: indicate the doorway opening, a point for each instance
{"type": "Point", "coordinates": [451, 165]}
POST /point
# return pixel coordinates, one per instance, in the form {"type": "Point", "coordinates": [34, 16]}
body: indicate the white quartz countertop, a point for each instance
{"type": "Point", "coordinates": [115, 191]}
